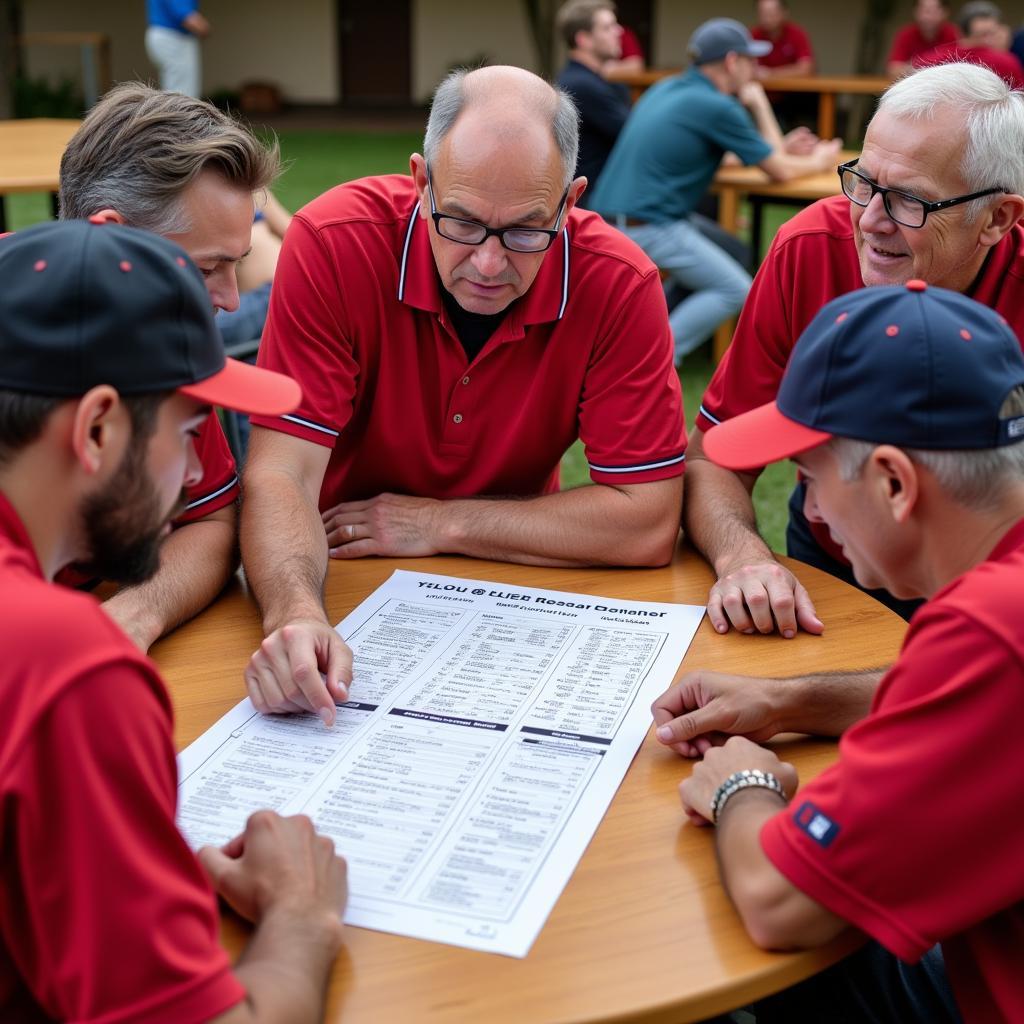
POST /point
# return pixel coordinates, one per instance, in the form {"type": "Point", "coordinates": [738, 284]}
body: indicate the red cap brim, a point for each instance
{"type": "Point", "coordinates": [758, 437]}
{"type": "Point", "coordinates": [248, 389]}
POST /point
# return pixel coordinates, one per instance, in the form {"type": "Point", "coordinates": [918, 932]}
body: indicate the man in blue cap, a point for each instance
{"type": "Point", "coordinates": [109, 364]}
{"type": "Point", "coordinates": [903, 407]}
{"type": "Point", "coordinates": [666, 155]}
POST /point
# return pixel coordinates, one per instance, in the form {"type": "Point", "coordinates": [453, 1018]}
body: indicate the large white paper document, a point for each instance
{"type": "Point", "coordinates": [487, 730]}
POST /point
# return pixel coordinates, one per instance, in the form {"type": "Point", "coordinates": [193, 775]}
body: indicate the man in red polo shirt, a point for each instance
{"type": "Point", "coordinates": [984, 39]}
{"type": "Point", "coordinates": [791, 55]}
{"type": "Point", "coordinates": [904, 409]}
{"type": "Point", "coordinates": [940, 136]}
{"type": "Point", "coordinates": [930, 28]}
{"type": "Point", "coordinates": [179, 167]}
{"type": "Point", "coordinates": [454, 332]}
{"type": "Point", "coordinates": [109, 363]}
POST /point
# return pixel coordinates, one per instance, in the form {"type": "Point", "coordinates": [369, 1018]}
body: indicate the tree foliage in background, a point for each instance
{"type": "Point", "coordinates": [541, 17]}
{"type": "Point", "coordinates": [870, 60]}
{"type": "Point", "coordinates": [10, 53]}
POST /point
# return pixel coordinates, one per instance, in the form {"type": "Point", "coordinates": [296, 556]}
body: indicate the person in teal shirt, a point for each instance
{"type": "Point", "coordinates": [666, 156]}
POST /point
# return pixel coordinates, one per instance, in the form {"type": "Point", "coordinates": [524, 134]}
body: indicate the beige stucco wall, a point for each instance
{"type": "Point", "coordinates": [293, 45]}
{"type": "Point", "coordinates": [450, 32]}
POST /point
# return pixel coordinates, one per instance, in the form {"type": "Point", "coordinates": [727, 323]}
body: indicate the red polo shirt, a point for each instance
{"type": "Point", "coordinates": [915, 836]}
{"type": "Point", "coordinates": [105, 914]}
{"type": "Point", "coordinates": [1003, 63]}
{"type": "Point", "coordinates": [813, 260]}
{"type": "Point", "coordinates": [791, 45]}
{"type": "Point", "coordinates": [910, 43]}
{"type": "Point", "coordinates": [356, 317]}
{"type": "Point", "coordinates": [219, 485]}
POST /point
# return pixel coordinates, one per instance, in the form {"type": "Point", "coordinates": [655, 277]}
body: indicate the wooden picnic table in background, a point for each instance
{"type": "Point", "coordinates": [827, 88]}
{"type": "Point", "coordinates": [30, 152]}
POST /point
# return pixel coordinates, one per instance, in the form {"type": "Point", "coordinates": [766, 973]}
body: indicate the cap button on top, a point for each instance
{"type": "Point", "coordinates": [916, 285]}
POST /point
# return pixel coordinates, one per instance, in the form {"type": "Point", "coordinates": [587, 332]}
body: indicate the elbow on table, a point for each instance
{"type": "Point", "coordinates": [651, 548]}
{"type": "Point", "coordinates": [779, 917]}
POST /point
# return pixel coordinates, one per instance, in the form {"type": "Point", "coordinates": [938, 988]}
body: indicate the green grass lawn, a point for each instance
{"type": "Point", "coordinates": [317, 160]}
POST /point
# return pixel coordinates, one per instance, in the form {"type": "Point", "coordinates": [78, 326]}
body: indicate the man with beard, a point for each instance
{"type": "Point", "coordinates": [109, 364]}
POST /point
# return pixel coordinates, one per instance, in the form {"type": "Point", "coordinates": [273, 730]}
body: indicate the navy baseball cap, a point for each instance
{"type": "Point", "coordinates": [913, 366]}
{"type": "Point", "coordinates": [83, 304]}
{"type": "Point", "coordinates": [719, 36]}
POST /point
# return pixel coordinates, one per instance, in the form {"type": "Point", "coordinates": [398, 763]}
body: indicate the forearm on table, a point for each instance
{"type": "Point", "coordinates": [284, 970]}
{"type": "Point", "coordinates": [284, 549]}
{"type": "Point", "coordinates": [719, 518]}
{"type": "Point", "coordinates": [826, 704]}
{"type": "Point", "coordinates": [775, 913]}
{"type": "Point", "coordinates": [196, 561]}
{"type": "Point", "coordinates": [591, 525]}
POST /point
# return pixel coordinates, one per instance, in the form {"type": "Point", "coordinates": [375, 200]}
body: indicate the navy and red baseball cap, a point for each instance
{"type": "Point", "coordinates": [912, 366]}
{"type": "Point", "coordinates": [84, 304]}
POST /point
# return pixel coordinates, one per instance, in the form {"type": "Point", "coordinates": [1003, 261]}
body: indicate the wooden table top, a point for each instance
{"type": "Point", "coordinates": [752, 180]}
{"type": "Point", "coordinates": [30, 152]}
{"type": "Point", "coordinates": [643, 931]}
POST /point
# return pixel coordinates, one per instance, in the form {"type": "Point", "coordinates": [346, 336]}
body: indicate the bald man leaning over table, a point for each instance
{"type": "Point", "coordinates": [936, 194]}
{"type": "Point", "coordinates": [454, 332]}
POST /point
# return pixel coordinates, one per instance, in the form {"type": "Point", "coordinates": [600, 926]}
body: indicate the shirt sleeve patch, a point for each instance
{"type": "Point", "coordinates": [818, 826]}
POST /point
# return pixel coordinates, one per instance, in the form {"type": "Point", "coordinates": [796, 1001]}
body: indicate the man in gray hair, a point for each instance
{"type": "Point", "coordinates": [180, 168]}
{"type": "Point", "coordinates": [455, 331]}
{"type": "Point", "coordinates": [936, 195]}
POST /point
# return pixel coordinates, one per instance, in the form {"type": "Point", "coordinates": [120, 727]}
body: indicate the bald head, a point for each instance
{"type": "Point", "coordinates": [505, 108]}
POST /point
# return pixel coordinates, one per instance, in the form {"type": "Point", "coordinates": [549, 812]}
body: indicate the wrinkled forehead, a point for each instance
{"type": "Point", "coordinates": [503, 159]}
{"type": "Point", "coordinates": [930, 149]}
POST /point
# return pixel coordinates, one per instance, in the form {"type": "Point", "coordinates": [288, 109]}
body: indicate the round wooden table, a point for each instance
{"type": "Point", "coordinates": [644, 930]}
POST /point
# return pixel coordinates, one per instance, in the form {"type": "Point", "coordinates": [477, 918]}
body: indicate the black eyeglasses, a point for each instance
{"type": "Point", "coordinates": [471, 232]}
{"type": "Point", "coordinates": [902, 207]}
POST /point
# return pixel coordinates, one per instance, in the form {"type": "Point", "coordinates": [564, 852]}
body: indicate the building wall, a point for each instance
{"type": "Point", "coordinates": [447, 33]}
{"type": "Point", "coordinates": [295, 45]}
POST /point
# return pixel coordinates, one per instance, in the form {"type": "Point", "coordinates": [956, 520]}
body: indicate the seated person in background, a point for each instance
{"type": "Point", "coordinates": [632, 56]}
{"type": "Point", "coordinates": [592, 33]}
{"type": "Point", "coordinates": [904, 409]}
{"type": "Point", "coordinates": [667, 154]}
{"type": "Point", "coordinates": [181, 168]}
{"type": "Point", "coordinates": [455, 331]}
{"type": "Point", "coordinates": [984, 39]}
{"type": "Point", "coordinates": [937, 194]}
{"type": "Point", "coordinates": [109, 362]}
{"type": "Point", "coordinates": [590, 30]}
{"type": "Point", "coordinates": [930, 28]}
{"type": "Point", "coordinates": [791, 55]}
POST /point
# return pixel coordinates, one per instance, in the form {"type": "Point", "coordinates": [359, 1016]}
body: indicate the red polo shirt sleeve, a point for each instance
{"type": "Point", "coordinates": [308, 336]}
{"type": "Point", "coordinates": [631, 412]}
{"type": "Point", "coordinates": [219, 485]}
{"type": "Point", "coordinates": [915, 834]}
{"type": "Point", "coordinates": [106, 913]}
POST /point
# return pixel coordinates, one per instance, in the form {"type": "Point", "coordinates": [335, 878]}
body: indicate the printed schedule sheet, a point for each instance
{"type": "Point", "coordinates": [487, 729]}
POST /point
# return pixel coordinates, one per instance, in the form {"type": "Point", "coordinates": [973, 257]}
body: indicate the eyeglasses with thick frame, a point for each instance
{"type": "Point", "coordinates": [909, 210]}
{"type": "Point", "coordinates": [472, 232]}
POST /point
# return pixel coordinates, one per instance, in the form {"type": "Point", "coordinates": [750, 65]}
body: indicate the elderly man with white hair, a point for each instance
{"type": "Point", "coordinates": [936, 195]}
